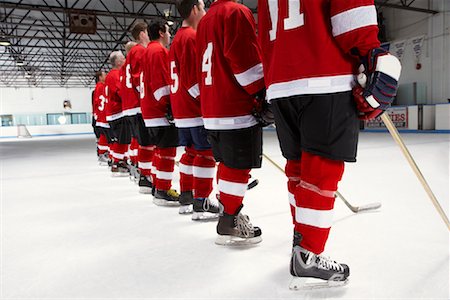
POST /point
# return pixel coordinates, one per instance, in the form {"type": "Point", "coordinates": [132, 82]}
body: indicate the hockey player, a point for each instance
{"type": "Point", "coordinates": [230, 76]}
{"type": "Point", "coordinates": [312, 51]}
{"type": "Point", "coordinates": [115, 117]}
{"type": "Point", "coordinates": [197, 164]}
{"type": "Point", "coordinates": [133, 144]}
{"type": "Point", "coordinates": [155, 104]}
{"type": "Point", "coordinates": [101, 125]}
{"type": "Point", "coordinates": [132, 105]}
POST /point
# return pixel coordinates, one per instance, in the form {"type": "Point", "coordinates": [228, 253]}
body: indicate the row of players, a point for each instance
{"type": "Point", "coordinates": [321, 69]}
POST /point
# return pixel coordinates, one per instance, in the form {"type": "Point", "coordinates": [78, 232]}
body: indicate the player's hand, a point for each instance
{"type": "Point", "coordinates": [262, 110]}
{"type": "Point", "coordinates": [169, 115]}
{"type": "Point", "coordinates": [377, 83]}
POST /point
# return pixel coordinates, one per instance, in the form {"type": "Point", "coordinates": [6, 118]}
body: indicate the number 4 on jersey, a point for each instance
{"type": "Point", "coordinates": [294, 20]}
{"type": "Point", "coordinates": [206, 63]}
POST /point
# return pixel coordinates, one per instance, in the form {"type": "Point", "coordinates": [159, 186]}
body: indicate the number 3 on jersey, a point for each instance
{"type": "Point", "coordinates": [294, 20]}
{"type": "Point", "coordinates": [207, 63]}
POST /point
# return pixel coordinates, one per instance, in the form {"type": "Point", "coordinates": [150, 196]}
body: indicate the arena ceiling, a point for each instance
{"type": "Point", "coordinates": [52, 43]}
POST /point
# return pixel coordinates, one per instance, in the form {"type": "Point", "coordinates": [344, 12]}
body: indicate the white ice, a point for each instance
{"type": "Point", "coordinates": [71, 231]}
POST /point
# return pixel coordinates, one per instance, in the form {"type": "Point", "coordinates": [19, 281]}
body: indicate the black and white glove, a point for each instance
{"type": "Point", "coordinates": [378, 83]}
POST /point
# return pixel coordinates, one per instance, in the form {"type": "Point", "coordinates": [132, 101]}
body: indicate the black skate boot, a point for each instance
{"type": "Point", "coordinates": [145, 184]}
{"type": "Point", "coordinates": [166, 198]}
{"type": "Point", "coordinates": [237, 230]}
{"type": "Point", "coordinates": [312, 271]}
{"type": "Point", "coordinates": [186, 199]}
{"type": "Point", "coordinates": [119, 169]}
{"type": "Point", "coordinates": [205, 210]}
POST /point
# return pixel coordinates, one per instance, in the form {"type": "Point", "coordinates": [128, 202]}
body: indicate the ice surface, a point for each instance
{"type": "Point", "coordinates": [70, 230]}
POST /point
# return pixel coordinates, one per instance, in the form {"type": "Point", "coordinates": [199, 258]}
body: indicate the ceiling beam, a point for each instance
{"type": "Point", "coordinates": [384, 3]}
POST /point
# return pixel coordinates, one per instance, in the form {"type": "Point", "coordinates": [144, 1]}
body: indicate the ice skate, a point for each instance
{"type": "Point", "coordinates": [119, 169]}
{"type": "Point", "coordinates": [134, 173]}
{"type": "Point", "coordinates": [103, 159]}
{"type": "Point", "coordinates": [205, 210]}
{"type": "Point", "coordinates": [145, 185]}
{"type": "Point", "coordinates": [236, 230]}
{"type": "Point", "coordinates": [313, 271]}
{"type": "Point", "coordinates": [186, 199]}
{"type": "Point", "coordinates": [166, 198]}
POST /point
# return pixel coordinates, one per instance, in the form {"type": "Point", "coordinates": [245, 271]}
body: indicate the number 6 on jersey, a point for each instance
{"type": "Point", "coordinates": [206, 63]}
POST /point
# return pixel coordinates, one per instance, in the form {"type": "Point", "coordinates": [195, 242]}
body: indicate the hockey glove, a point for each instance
{"type": "Point", "coordinates": [262, 110]}
{"type": "Point", "coordinates": [378, 83]}
{"type": "Point", "coordinates": [169, 115]}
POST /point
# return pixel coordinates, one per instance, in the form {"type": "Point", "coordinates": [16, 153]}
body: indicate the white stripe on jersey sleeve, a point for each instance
{"type": "Point", "coordinates": [194, 91]}
{"type": "Point", "coordinates": [161, 92]}
{"type": "Point", "coordinates": [250, 76]}
{"type": "Point", "coordinates": [353, 19]}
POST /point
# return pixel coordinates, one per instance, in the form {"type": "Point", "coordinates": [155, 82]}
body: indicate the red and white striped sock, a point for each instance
{"type": "Point", "coordinates": [102, 144]}
{"type": "Point", "coordinates": [145, 157]}
{"type": "Point", "coordinates": [134, 150]}
{"type": "Point", "coordinates": [314, 197]}
{"type": "Point", "coordinates": [185, 166]}
{"type": "Point", "coordinates": [204, 169]}
{"type": "Point", "coordinates": [232, 187]}
{"type": "Point", "coordinates": [119, 152]}
{"type": "Point", "coordinates": [292, 171]}
{"type": "Point", "coordinates": [164, 167]}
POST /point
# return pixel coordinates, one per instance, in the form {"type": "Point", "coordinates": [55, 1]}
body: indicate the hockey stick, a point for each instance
{"type": "Point", "coordinates": [355, 209]}
{"type": "Point", "coordinates": [396, 136]}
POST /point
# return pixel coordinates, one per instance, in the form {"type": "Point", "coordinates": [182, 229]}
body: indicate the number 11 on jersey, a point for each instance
{"type": "Point", "coordinates": [294, 20]}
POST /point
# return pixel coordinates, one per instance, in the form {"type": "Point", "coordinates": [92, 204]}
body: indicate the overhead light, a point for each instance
{"type": "Point", "coordinates": [170, 23]}
{"type": "Point", "coordinates": [4, 41]}
{"type": "Point", "coordinates": [27, 75]}
{"type": "Point", "coordinates": [20, 62]}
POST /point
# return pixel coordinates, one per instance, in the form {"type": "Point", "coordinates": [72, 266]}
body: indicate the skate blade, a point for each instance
{"type": "Point", "coordinates": [103, 164]}
{"type": "Point", "coordinates": [185, 209]}
{"type": "Point", "coordinates": [164, 202]}
{"type": "Point", "coordinates": [145, 190]}
{"type": "Point", "coordinates": [228, 240]}
{"type": "Point", "coordinates": [205, 216]}
{"type": "Point", "coordinates": [119, 174]}
{"type": "Point", "coordinates": [307, 283]}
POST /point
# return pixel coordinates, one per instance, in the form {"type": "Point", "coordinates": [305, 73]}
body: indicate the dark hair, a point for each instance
{"type": "Point", "coordinates": [137, 29]}
{"type": "Point", "coordinates": [97, 76]}
{"type": "Point", "coordinates": [184, 7]}
{"type": "Point", "coordinates": [155, 27]}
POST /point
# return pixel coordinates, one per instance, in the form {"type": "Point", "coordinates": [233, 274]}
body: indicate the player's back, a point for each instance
{"type": "Point", "coordinates": [155, 85]}
{"type": "Point", "coordinates": [227, 48]}
{"type": "Point", "coordinates": [130, 93]}
{"type": "Point", "coordinates": [305, 50]}
{"type": "Point", "coordinates": [184, 87]}
{"type": "Point", "coordinates": [114, 102]}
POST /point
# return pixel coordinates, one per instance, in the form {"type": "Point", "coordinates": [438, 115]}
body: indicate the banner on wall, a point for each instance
{"type": "Point", "coordinates": [417, 44]}
{"type": "Point", "coordinates": [398, 49]}
{"type": "Point", "coordinates": [398, 115]}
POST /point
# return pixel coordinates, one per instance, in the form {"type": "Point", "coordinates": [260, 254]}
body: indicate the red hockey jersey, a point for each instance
{"type": "Point", "coordinates": [112, 92]}
{"type": "Point", "coordinates": [133, 63]}
{"type": "Point", "coordinates": [100, 105]}
{"type": "Point", "coordinates": [184, 90]}
{"type": "Point", "coordinates": [155, 85]}
{"type": "Point", "coordinates": [307, 44]}
{"type": "Point", "coordinates": [230, 69]}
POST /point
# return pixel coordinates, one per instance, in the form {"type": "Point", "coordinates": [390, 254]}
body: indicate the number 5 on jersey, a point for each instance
{"type": "Point", "coordinates": [207, 63]}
